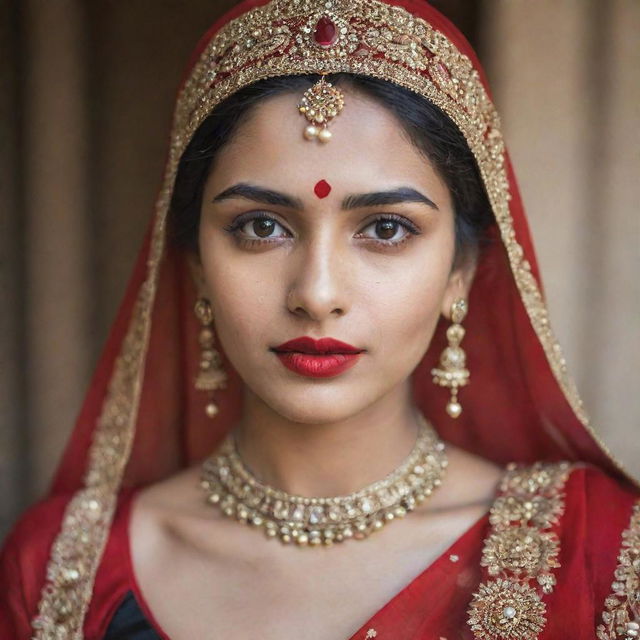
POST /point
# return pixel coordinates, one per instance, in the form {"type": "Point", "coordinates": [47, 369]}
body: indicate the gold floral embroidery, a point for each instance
{"type": "Point", "coordinates": [509, 610]}
{"type": "Point", "coordinates": [373, 39]}
{"type": "Point", "coordinates": [621, 617]}
{"type": "Point", "coordinates": [541, 511]}
{"type": "Point", "coordinates": [520, 550]}
{"type": "Point", "coordinates": [520, 554]}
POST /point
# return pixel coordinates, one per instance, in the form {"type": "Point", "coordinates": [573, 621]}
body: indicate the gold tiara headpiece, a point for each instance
{"type": "Point", "coordinates": [365, 37]}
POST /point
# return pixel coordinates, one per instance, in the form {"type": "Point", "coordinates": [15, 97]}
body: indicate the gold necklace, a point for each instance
{"type": "Point", "coordinates": [323, 521]}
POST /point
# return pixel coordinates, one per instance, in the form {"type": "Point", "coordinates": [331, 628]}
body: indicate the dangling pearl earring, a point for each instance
{"type": "Point", "coordinates": [453, 373]}
{"type": "Point", "coordinates": [211, 375]}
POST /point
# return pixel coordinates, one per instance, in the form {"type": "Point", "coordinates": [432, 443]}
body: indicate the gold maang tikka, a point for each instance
{"type": "Point", "coordinates": [320, 104]}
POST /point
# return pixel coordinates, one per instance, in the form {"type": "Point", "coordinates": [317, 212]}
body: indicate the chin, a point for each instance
{"type": "Point", "coordinates": [320, 404]}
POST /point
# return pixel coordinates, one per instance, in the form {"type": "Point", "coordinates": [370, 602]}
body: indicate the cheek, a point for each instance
{"type": "Point", "coordinates": [405, 309]}
{"type": "Point", "coordinates": [244, 299]}
{"type": "Point", "coordinates": [411, 311]}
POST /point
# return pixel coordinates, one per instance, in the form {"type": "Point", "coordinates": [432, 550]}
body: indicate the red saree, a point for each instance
{"type": "Point", "coordinates": [549, 561]}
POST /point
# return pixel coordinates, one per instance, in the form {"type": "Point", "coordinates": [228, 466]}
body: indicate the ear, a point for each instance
{"type": "Point", "coordinates": [459, 284]}
{"type": "Point", "coordinates": [197, 274]}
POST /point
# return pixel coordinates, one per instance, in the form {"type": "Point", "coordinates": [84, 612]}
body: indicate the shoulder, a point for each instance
{"type": "Point", "coordinates": [604, 510]}
{"type": "Point", "coordinates": [602, 504]}
{"type": "Point", "coordinates": [32, 535]}
{"type": "Point", "coordinates": [600, 542]}
{"type": "Point", "coordinates": [590, 524]}
{"type": "Point", "coordinates": [588, 509]}
{"type": "Point", "coordinates": [582, 485]}
{"type": "Point", "coordinates": [30, 540]}
{"type": "Point", "coordinates": [24, 559]}
{"type": "Point", "coordinates": [603, 498]}
{"type": "Point", "coordinates": [23, 563]}
{"type": "Point", "coordinates": [603, 525]}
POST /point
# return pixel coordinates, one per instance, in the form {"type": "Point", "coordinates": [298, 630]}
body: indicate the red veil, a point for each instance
{"type": "Point", "coordinates": [142, 419]}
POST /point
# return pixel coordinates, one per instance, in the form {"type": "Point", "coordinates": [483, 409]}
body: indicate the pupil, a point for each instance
{"type": "Point", "coordinates": [263, 227]}
{"type": "Point", "coordinates": [386, 229]}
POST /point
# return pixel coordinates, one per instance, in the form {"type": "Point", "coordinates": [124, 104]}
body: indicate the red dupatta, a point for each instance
{"type": "Point", "coordinates": [142, 419]}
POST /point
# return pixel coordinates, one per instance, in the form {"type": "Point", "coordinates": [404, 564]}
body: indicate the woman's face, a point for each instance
{"type": "Point", "coordinates": [353, 240]}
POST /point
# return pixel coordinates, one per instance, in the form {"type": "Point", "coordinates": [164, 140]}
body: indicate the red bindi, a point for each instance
{"type": "Point", "coordinates": [322, 189]}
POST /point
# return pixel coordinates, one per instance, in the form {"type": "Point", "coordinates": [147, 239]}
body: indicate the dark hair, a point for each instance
{"type": "Point", "coordinates": [426, 126]}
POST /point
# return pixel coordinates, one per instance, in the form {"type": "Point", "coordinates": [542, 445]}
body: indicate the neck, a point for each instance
{"type": "Point", "coordinates": [330, 458]}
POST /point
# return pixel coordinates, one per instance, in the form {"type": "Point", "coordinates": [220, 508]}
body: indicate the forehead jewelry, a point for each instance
{"type": "Point", "coordinates": [320, 104]}
{"type": "Point", "coordinates": [322, 521]}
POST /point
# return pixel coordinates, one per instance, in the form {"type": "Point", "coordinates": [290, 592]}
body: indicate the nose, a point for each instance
{"type": "Point", "coordinates": [319, 285]}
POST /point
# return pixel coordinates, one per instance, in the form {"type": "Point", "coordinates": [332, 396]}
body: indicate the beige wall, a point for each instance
{"type": "Point", "coordinates": [87, 89]}
{"type": "Point", "coordinates": [565, 75]}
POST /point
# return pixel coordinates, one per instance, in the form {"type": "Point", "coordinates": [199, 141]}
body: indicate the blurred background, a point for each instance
{"type": "Point", "coordinates": [86, 93]}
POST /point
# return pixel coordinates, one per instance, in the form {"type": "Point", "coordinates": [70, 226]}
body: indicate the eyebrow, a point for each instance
{"type": "Point", "coordinates": [259, 194]}
{"type": "Point", "coordinates": [395, 196]}
{"type": "Point", "coordinates": [354, 201]}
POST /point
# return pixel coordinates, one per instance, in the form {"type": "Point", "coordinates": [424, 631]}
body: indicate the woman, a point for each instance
{"type": "Point", "coordinates": [337, 197]}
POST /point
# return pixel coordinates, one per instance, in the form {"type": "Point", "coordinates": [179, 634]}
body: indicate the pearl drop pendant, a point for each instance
{"type": "Point", "coordinates": [322, 134]}
{"type": "Point", "coordinates": [454, 409]}
{"type": "Point", "coordinates": [311, 132]}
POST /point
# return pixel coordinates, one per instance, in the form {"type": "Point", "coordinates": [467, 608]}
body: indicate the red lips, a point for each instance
{"type": "Point", "coordinates": [322, 358]}
{"type": "Point", "coordinates": [305, 344]}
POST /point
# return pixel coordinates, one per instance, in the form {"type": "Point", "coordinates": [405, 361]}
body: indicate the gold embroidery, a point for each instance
{"type": "Point", "coordinates": [541, 511]}
{"type": "Point", "coordinates": [373, 39]}
{"type": "Point", "coordinates": [519, 551]}
{"type": "Point", "coordinates": [621, 618]}
{"type": "Point", "coordinates": [73, 557]}
{"type": "Point", "coordinates": [509, 610]}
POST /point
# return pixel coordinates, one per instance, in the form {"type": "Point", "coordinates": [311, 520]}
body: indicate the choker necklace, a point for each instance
{"type": "Point", "coordinates": [322, 521]}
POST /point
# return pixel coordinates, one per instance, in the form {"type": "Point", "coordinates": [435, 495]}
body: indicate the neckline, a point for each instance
{"type": "Point", "coordinates": [434, 565]}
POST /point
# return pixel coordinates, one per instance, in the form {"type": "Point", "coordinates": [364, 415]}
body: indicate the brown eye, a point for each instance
{"type": "Point", "coordinates": [263, 227]}
{"type": "Point", "coordinates": [386, 229]}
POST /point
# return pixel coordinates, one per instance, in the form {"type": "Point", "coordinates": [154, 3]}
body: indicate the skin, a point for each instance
{"type": "Point", "coordinates": [314, 269]}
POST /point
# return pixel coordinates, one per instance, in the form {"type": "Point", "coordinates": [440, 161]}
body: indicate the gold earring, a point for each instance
{"type": "Point", "coordinates": [211, 375]}
{"type": "Point", "coordinates": [453, 373]}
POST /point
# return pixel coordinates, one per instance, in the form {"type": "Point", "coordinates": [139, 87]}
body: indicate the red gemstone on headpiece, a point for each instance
{"type": "Point", "coordinates": [325, 32]}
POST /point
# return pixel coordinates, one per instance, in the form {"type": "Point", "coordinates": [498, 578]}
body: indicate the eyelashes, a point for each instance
{"type": "Point", "coordinates": [267, 224]}
{"type": "Point", "coordinates": [236, 228]}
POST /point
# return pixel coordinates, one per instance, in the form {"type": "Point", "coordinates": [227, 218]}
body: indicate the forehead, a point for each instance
{"type": "Point", "coordinates": [369, 149]}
